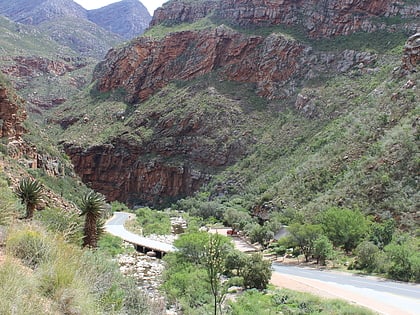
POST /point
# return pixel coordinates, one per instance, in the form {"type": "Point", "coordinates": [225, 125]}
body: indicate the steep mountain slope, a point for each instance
{"type": "Point", "coordinates": [44, 72]}
{"type": "Point", "coordinates": [65, 22]}
{"type": "Point", "coordinates": [37, 11]}
{"type": "Point", "coordinates": [133, 18]}
{"type": "Point", "coordinates": [50, 56]}
{"type": "Point", "coordinates": [265, 115]}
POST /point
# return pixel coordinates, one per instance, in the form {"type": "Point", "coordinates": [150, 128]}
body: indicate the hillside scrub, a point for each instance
{"type": "Point", "coordinates": [64, 278]}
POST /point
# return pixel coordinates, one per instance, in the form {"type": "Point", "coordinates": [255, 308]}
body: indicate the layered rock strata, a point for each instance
{"type": "Point", "coordinates": [274, 63]}
{"type": "Point", "coordinates": [317, 18]}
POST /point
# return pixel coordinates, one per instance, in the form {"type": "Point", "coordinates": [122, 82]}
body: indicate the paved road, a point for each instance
{"type": "Point", "coordinates": [401, 296]}
{"type": "Point", "coordinates": [115, 226]}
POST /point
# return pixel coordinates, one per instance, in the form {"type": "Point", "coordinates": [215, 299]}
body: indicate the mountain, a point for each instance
{"type": "Point", "coordinates": [90, 33]}
{"type": "Point", "coordinates": [249, 103]}
{"type": "Point", "coordinates": [133, 18]}
{"type": "Point", "coordinates": [50, 46]}
{"type": "Point", "coordinates": [38, 11]}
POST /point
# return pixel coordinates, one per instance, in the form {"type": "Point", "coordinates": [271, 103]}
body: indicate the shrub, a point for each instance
{"type": "Point", "coordinates": [256, 272]}
{"type": "Point", "coordinates": [30, 245]}
{"type": "Point", "coordinates": [366, 256]}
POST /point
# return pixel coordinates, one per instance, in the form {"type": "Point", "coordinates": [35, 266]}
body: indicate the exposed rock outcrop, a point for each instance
{"type": "Point", "coordinates": [273, 63]}
{"type": "Point", "coordinates": [35, 66]}
{"type": "Point", "coordinates": [12, 115]}
{"type": "Point", "coordinates": [23, 70]}
{"type": "Point", "coordinates": [411, 56]}
{"type": "Point", "coordinates": [317, 18]}
{"type": "Point", "coordinates": [170, 152]}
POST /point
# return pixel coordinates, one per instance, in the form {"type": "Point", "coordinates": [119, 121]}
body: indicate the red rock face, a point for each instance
{"type": "Point", "coordinates": [120, 177]}
{"type": "Point", "coordinates": [11, 115]}
{"type": "Point", "coordinates": [273, 63]}
{"type": "Point", "coordinates": [181, 155]}
{"type": "Point", "coordinates": [29, 67]}
{"type": "Point", "coordinates": [411, 57]}
{"type": "Point", "coordinates": [318, 18]}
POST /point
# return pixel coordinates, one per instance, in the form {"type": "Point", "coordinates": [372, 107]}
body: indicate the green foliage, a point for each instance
{"type": "Point", "coordinates": [288, 302]}
{"type": "Point", "coordinates": [304, 236]}
{"type": "Point", "coordinates": [111, 245]}
{"type": "Point", "coordinates": [381, 233]}
{"type": "Point", "coordinates": [367, 254]}
{"type": "Point", "coordinates": [30, 193]}
{"type": "Point", "coordinates": [344, 227]}
{"type": "Point", "coordinates": [161, 31]}
{"type": "Point", "coordinates": [16, 284]}
{"type": "Point", "coordinates": [214, 263]}
{"type": "Point", "coordinates": [64, 279]}
{"type": "Point", "coordinates": [66, 223]}
{"type": "Point", "coordinates": [191, 246]}
{"type": "Point", "coordinates": [261, 234]}
{"type": "Point", "coordinates": [403, 255]}
{"type": "Point", "coordinates": [256, 272]}
{"type": "Point", "coordinates": [235, 218]}
{"type": "Point", "coordinates": [93, 207]}
{"type": "Point", "coordinates": [117, 206]}
{"type": "Point", "coordinates": [66, 186]}
{"type": "Point", "coordinates": [323, 249]}
{"type": "Point", "coordinates": [30, 245]}
{"type": "Point", "coordinates": [153, 221]}
{"type": "Point", "coordinates": [235, 262]}
{"type": "Point", "coordinates": [9, 207]}
{"type": "Point", "coordinates": [188, 288]}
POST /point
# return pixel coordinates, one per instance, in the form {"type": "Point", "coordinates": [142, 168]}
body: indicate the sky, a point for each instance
{"type": "Point", "coordinates": [151, 5]}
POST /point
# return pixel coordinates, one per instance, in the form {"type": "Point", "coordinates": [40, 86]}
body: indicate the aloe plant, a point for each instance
{"type": "Point", "coordinates": [30, 193]}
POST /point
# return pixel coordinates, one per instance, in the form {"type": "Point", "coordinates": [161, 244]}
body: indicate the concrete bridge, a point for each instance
{"type": "Point", "coordinates": [115, 226]}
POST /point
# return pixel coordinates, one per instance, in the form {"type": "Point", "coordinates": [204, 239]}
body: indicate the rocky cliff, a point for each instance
{"type": "Point", "coordinates": [317, 18]}
{"type": "Point", "coordinates": [274, 63]}
{"type": "Point", "coordinates": [165, 151]}
{"type": "Point", "coordinates": [12, 115]}
{"type": "Point", "coordinates": [167, 147]}
{"type": "Point", "coordinates": [411, 57]}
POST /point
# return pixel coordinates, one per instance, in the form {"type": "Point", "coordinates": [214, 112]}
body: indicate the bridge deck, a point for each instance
{"type": "Point", "coordinates": [139, 240]}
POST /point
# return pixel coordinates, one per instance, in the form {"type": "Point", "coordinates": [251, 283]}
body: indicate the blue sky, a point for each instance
{"type": "Point", "coordinates": [151, 5]}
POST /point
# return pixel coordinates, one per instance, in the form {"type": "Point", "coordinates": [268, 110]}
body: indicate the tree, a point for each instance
{"type": "Point", "coordinates": [261, 234]}
{"type": "Point", "coordinates": [256, 272]}
{"type": "Point", "coordinates": [191, 247]}
{"type": "Point", "coordinates": [235, 218]}
{"type": "Point", "coordinates": [30, 193]}
{"type": "Point", "coordinates": [366, 255]}
{"type": "Point", "coordinates": [235, 262]}
{"type": "Point", "coordinates": [323, 249]}
{"type": "Point", "coordinates": [344, 227]}
{"type": "Point", "coordinates": [381, 233]}
{"type": "Point", "coordinates": [304, 235]}
{"type": "Point", "coordinates": [93, 205]}
{"type": "Point", "coordinates": [215, 254]}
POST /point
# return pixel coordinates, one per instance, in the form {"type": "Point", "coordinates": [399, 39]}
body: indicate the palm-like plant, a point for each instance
{"type": "Point", "coordinates": [30, 193]}
{"type": "Point", "coordinates": [93, 205]}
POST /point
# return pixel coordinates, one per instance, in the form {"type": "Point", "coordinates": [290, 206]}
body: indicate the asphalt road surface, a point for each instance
{"type": "Point", "coordinates": [402, 297]}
